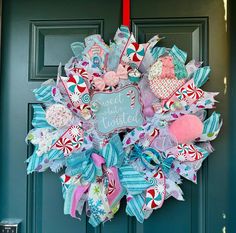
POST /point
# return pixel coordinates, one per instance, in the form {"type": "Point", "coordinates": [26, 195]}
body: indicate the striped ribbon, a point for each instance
{"type": "Point", "coordinates": [201, 76]}
{"type": "Point", "coordinates": [83, 164]}
{"type": "Point", "coordinates": [39, 120]}
{"type": "Point", "coordinates": [37, 163]}
{"type": "Point", "coordinates": [134, 182]}
{"type": "Point", "coordinates": [157, 52]}
{"type": "Point", "coordinates": [44, 94]}
{"type": "Point", "coordinates": [178, 53]}
{"type": "Point", "coordinates": [211, 127]}
{"type": "Point", "coordinates": [113, 152]}
{"type": "Point", "coordinates": [135, 207]}
{"type": "Point", "coordinates": [41, 163]}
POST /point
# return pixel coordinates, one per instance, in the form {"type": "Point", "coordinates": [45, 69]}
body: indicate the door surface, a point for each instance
{"type": "Point", "coordinates": [36, 37]}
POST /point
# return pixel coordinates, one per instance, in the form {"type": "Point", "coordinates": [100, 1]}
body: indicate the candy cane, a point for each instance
{"type": "Point", "coordinates": [131, 95]}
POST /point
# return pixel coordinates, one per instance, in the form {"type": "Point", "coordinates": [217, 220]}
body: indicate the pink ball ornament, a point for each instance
{"type": "Point", "coordinates": [148, 111]}
{"type": "Point", "coordinates": [186, 128]}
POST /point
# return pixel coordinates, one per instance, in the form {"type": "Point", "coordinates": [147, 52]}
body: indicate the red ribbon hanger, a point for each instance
{"type": "Point", "coordinates": [126, 13]}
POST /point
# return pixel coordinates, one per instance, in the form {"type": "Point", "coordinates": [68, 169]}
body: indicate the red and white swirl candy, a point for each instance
{"type": "Point", "coordinates": [65, 145]}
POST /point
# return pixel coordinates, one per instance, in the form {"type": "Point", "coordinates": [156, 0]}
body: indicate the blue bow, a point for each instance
{"type": "Point", "coordinates": [82, 164]}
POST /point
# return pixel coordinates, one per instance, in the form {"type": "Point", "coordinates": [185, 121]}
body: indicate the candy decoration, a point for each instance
{"type": "Point", "coordinates": [77, 142]}
{"type": "Point", "coordinates": [111, 79]}
{"type": "Point", "coordinates": [134, 75]}
{"type": "Point", "coordinates": [135, 52]}
{"type": "Point", "coordinates": [155, 195]}
{"type": "Point", "coordinates": [131, 95]}
{"type": "Point", "coordinates": [194, 92]}
{"type": "Point", "coordinates": [99, 83]}
{"type": "Point", "coordinates": [165, 88]}
{"type": "Point", "coordinates": [188, 152]}
{"type": "Point", "coordinates": [81, 72]}
{"type": "Point", "coordinates": [95, 106]}
{"type": "Point", "coordinates": [194, 153]}
{"type": "Point", "coordinates": [75, 131]}
{"type": "Point", "coordinates": [181, 93]}
{"type": "Point", "coordinates": [85, 98]}
{"type": "Point", "coordinates": [58, 116]}
{"type": "Point", "coordinates": [76, 84]}
{"type": "Point", "coordinates": [65, 145]}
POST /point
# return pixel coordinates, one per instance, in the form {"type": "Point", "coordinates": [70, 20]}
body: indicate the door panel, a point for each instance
{"type": "Point", "coordinates": [37, 37]}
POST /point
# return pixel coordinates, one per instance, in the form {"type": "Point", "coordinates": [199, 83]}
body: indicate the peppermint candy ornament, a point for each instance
{"type": "Point", "coordinates": [155, 195]}
{"type": "Point", "coordinates": [135, 52]}
{"type": "Point", "coordinates": [76, 84]}
{"type": "Point", "coordinates": [64, 144]}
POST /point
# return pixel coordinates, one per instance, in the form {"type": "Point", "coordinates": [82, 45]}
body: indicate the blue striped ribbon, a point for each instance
{"type": "Point", "coordinates": [125, 31]}
{"type": "Point", "coordinates": [44, 93]}
{"type": "Point", "coordinates": [35, 161]}
{"type": "Point", "coordinates": [201, 76]}
{"type": "Point", "coordinates": [113, 152]}
{"type": "Point", "coordinates": [178, 53]}
{"type": "Point", "coordinates": [157, 52]}
{"type": "Point", "coordinates": [212, 124]}
{"type": "Point", "coordinates": [132, 180]}
{"type": "Point", "coordinates": [39, 120]}
{"type": "Point", "coordinates": [55, 154]}
{"type": "Point", "coordinates": [82, 164]}
{"type": "Point", "coordinates": [134, 207]}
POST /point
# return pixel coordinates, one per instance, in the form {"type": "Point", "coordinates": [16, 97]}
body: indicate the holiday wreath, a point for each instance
{"type": "Point", "coordinates": [128, 120]}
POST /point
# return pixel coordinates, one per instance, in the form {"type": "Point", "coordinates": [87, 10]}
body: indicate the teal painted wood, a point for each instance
{"type": "Point", "coordinates": [33, 32]}
{"type": "Point", "coordinates": [232, 88]}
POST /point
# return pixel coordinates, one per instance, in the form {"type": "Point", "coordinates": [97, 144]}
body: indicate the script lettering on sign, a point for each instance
{"type": "Point", "coordinates": [118, 110]}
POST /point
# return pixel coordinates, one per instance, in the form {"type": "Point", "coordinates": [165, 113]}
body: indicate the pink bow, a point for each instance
{"type": "Point", "coordinates": [111, 78]}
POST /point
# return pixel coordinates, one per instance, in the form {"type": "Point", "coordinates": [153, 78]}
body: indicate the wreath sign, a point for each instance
{"type": "Point", "coordinates": [129, 120]}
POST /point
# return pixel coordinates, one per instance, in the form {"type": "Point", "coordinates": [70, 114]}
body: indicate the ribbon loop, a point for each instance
{"type": "Point", "coordinates": [87, 164]}
{"type": "Point", "coordinates": [113, 152]}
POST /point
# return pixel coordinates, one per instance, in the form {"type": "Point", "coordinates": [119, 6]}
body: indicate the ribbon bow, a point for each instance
{"type": "Point", "coordinates": [87, 164]}
{"type": "Point", "coordinates": [152, 159]}
{"type": "Point", "coordinates": [111, 78]}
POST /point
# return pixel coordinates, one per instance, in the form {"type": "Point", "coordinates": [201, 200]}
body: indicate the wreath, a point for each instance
{"type": "Point", "coordinates": [126, 119]}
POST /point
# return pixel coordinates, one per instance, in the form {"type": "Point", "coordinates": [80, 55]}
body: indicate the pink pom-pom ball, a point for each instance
{"type": "Point", "coordinates": [186, 128]}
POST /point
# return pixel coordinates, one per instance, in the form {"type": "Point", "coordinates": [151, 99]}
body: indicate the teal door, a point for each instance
{"type": "Point", "coordinates": [36, 37]}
